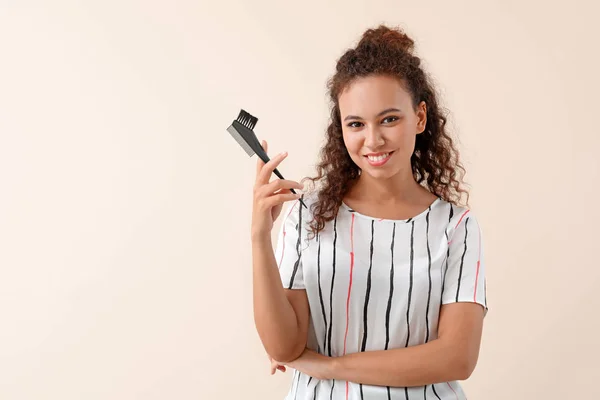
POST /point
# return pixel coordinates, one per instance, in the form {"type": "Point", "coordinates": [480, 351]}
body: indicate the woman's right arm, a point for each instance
{"type": "Point", "coordinates": [281, 316]}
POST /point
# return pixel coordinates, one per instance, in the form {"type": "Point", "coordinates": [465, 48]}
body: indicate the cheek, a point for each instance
{"type": "Point", "coordinates": [353, 146]}
{"type": "Point", "coordinates": [352, 143]}
{"type": "Point", "coordinates": [404, 139]}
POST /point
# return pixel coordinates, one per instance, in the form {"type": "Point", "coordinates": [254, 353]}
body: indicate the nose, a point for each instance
{"type": "Point", "coordinates": [373, 138]}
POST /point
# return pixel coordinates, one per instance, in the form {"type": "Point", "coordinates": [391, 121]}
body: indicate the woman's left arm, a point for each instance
{"type": "Point", "coordinates": [452, 356]}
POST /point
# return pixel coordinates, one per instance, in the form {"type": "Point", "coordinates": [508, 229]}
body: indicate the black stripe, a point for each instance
{"type": "Point", "coordinates": [448, 252]}
{"type": "Point", "coordinates": [389, 305]}
{"type": "Point", "coordinates": [434, 392]}
{"type": "Point", "coordinates": [485, 292]}
{"type": "Point", "coordinates": [332, 386]}
{"type": "Point", "coordinates": [365, 324]}
{"type": "Point", "coordinates": [410, 287]}
{"type": "Point", "coordinates": [429, 274]}
{"type": "Point", "coordinates": [425, 392]}
{"type": "Point", "coordinates": [309, 380]}
{"type": "Point", "coordinates": [332, 282]}
{"type": "Point", "coordinates": [315, 392]}
{"type": "Point", "coordinates": [297, 247]}
{"type": "Point", "coordinates": [462, 259]}
{"type": "Point", "coordinates": [364, 341]}
{"type": "Point", "coordinates": [321, 291]}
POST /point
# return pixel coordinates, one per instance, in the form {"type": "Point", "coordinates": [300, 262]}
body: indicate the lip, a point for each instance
{"type": "Point", "coordinates": [378, 163]}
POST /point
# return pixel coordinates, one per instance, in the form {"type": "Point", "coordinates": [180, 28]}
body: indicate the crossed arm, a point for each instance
{"type": "Point", "coordinates": [452, 356]}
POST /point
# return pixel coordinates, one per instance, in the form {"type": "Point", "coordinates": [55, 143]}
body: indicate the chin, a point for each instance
{"type": "Point", "coordinates": [380, 176]}
{"type": "Point", "coordinates": [379, 173]}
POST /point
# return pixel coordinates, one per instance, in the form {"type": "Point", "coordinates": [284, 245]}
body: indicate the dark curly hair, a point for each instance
{"type": "Point", "coordinates": [435, 160]}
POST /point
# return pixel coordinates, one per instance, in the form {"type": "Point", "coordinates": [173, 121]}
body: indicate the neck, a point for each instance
{"type": "Point", "coordinates": [400, 188]}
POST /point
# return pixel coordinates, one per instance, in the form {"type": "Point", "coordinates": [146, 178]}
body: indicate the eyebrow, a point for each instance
{"type": "Point", "coordinates": [378, 115]}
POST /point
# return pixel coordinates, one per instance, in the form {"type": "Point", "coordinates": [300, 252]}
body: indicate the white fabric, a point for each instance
{"type": "Point", "coordinates": [437, 259]}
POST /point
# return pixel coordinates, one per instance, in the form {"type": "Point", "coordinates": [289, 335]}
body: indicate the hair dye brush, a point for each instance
{"type": "Point", "coordinates": [242, 131]}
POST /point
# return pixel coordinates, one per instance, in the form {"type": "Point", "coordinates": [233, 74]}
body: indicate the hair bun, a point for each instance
{"type": "Point", "coordinates": [383, 36]}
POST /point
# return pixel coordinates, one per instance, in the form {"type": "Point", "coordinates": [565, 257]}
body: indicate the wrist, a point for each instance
{"type": "Point", "coordinates": [260, 237]}
{"type": "Point", "coordinates": [332, 367]}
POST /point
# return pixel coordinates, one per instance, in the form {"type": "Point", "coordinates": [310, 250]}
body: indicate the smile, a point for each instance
{"type": "Point", "coordinates": [379, 159]}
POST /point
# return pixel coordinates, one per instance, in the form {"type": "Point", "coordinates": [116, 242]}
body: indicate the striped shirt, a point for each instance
{"type": "Point", "coordinates": [378, 284]}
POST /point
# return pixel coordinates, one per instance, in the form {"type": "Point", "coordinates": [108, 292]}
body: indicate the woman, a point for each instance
{"type": "Point", "coordinates": [383, 293]}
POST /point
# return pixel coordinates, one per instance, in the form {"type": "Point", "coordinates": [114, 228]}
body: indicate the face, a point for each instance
{"type": "Point", "coordinates": [379, 125]}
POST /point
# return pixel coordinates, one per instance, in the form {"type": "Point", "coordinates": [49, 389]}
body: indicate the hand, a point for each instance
{"type": "Point", "coordinates": [270, 196]}
{"type": "Point", "coordinates": [314, 364]}
{"type": "Point", "coordinates": [276, 365]}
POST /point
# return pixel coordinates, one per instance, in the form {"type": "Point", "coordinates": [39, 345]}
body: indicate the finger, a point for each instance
{"type": "Point", "coordinates": [260, 163]}
{"type": "Point", "coordinates": [277, 199]}
{"type": "Point", "coordinates": [282, 191]}
{"type": "Point", "coordinates": [279, 186]}
{"type": "Point", "coordinates": [264, 175]}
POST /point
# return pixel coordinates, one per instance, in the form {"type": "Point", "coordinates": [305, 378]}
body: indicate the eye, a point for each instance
{"type": "Point", "coordinates": [351, 124]}
{"type": "Point", "coordinates": [393, 118]}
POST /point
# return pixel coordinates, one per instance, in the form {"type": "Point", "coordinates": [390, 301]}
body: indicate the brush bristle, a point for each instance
{"type": "Point", "coordinates": [247, 119]}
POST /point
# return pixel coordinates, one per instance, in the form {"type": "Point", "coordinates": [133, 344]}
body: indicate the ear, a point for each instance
{"type": "Point", "coordinates": [421, 117]}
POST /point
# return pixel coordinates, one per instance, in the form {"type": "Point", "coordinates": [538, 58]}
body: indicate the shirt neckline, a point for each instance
{"type": "Point", "coordinates": [437, 201]}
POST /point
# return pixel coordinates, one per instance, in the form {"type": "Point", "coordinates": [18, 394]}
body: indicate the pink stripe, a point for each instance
{"type": "Point", "coordinates": [461, 217]}
{"type": "Point", "coordinates": [452, 389]}
{"type": "Point", "coordinates": [284, 233]}
{"type": "Point", "coordinates": [349, 289]}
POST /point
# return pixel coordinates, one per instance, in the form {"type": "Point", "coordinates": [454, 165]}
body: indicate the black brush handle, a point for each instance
{"type": "Point", "coordinates": [276, 172]}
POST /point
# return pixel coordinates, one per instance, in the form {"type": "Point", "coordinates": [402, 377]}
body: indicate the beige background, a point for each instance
{"type": "Point", "coordinates": [125, 206]}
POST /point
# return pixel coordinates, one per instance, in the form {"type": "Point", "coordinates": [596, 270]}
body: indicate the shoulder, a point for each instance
{"type": "Point", "coordinates": [461, 218]}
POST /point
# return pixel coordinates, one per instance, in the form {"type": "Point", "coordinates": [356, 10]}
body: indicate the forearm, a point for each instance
{"type": "Point", "coordinates": [420, 365]}
{"type": "Point", "coordinates": [274, 316]}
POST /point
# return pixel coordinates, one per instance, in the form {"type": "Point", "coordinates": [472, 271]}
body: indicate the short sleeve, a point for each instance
{"type": "Point", "coordinates": [464, 279]}
{"type": "Point", "coordinates": [288, 250]}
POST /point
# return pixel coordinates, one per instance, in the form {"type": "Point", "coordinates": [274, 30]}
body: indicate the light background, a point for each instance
{"type": "Point", "coordinates": [125, 205]}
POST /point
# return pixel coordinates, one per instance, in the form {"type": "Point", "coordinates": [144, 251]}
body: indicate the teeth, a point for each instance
{"type": "Point", "coordinates": [379, 158]}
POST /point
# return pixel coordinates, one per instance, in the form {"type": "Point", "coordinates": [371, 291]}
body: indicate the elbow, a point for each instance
{"type": "Point", "coordinates": [464, 367]}
{"type": "Point", "coordinates": [461, 360]}
{"type": "Point", "coordinates": [286, 354]}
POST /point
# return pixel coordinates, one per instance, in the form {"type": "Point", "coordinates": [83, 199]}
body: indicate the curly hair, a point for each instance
{"type": "Point", "coordinates": [435, 160]}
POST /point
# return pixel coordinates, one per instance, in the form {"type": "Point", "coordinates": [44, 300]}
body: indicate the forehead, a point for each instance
{"type": "Point", "coordinates": [367, 96]}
